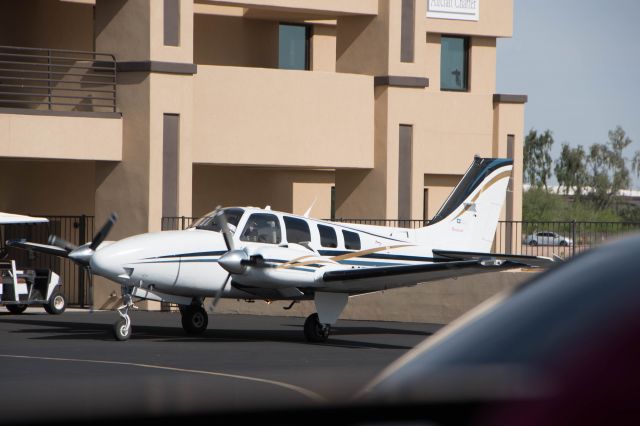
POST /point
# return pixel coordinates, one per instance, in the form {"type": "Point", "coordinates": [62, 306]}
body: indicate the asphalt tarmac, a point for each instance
{"type": "Point", "coordinates": [70, 367]}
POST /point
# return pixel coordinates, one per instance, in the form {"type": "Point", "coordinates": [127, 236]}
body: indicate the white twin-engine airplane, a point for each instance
{"type": "Point", "coordinates": [251, 253]}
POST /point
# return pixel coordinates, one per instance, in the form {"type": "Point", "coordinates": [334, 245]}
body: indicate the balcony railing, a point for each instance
{"type": "Point", "coordinates": [58, 80]}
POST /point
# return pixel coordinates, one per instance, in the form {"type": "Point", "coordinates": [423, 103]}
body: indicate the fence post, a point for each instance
{"type": "Point", "coordinates": [573, 237]}
{"type": "Point", "coordinates": [182, 228]}
{"type": "Point", "coordinates": [49, 75]}
{"type": "Point", "coordinates": [82, 227]}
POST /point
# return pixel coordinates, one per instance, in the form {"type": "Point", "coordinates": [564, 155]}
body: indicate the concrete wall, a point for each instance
{"type": "Point", "coordinates": [439, 302]}
{"type": "Point", "coordinates": [285, 190]}
{"type": "Point", "coordinates": [250, 116]}
{"type": "Point", "coordinates": [47, 24]}
{"type": "Point", "coordinates": [326, 7]}
{"type": "Point", "coordinates": [235, 41]}
{"type": "Point", "coordinates": [496, 20]}
{"type": "Point", "coordinates": [71, 138]}
{"type": "Point", "coordinates": [47, 187]}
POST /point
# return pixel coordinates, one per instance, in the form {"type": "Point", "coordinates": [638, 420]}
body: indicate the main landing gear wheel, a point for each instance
{"type": "Point", "coordinates": [16, 309]}
{"type": "Point", "coordinates": [194, 319]}
{"type": "Point", "coordinates": [314, 331]}
{"type": "Point", "coordinates": [56, 305]}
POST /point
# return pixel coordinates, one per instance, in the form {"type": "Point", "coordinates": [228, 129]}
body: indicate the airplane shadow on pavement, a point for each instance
{"type": "Point", "coordinates": [67, 330]}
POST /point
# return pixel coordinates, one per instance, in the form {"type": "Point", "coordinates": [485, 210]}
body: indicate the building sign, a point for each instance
{"type": "Point", "coordinates": [464, 10]}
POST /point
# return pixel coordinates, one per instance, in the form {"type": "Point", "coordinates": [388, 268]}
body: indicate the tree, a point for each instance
{"type": "Point", "coordinates": [608, 172]}
{"type": "Point", "coordinates": [537, 158]}
{"type": "Point", "coordinates": [635, 163]}
{"type": "Point", "coordinates": [571, 170]}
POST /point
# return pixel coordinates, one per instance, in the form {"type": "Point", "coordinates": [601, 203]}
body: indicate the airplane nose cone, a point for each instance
{"type": "Point", "coordinates": [231, 261]}
{"type": "Point", "coordinates": [107, 261]}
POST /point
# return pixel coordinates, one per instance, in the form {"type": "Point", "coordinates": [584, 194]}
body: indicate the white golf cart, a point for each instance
{"type": "Point", "coordinates": [22, 288]}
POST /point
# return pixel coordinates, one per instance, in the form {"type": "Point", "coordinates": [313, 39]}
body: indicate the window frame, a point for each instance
{"type": "Point", "coordinates": [466, 63]}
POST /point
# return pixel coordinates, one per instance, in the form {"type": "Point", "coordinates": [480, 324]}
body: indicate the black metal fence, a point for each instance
{"type": "Point", "coordinates": [562, 239]}
{"type": "Point", "coordinates": [55, 79]}
{"type": "Point", "coordinates": [76, 282]}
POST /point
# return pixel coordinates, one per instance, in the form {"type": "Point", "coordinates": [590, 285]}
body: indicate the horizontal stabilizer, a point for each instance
{"type": "Point", "coordinates": [40, 248]}
{"type": "Point", "coordinates": [524, 261]}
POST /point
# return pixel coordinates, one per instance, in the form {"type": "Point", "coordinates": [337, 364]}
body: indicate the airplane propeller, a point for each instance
{"type": "Point", "coordinates": [82, 254]}
{"type": "Point", "coordinates": [221, 219]}
{"type": "Point", "coordinates": [234, 261]}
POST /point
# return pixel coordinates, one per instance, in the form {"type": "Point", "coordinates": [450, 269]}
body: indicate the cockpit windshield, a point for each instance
{"type": "Point", "coordinates": [208, 222]}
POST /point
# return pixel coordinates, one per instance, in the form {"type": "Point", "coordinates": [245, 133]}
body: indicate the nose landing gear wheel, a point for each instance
{"type": "Point", "coordinates": [194, 319]}
{"type": "Point", "coordinates": [314, 331]}
{"type": "Point", "coordinates": [122, 329]}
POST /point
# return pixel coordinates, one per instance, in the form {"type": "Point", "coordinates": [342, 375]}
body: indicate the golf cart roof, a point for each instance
{"type": "Point", "coordinates": [9, 218]}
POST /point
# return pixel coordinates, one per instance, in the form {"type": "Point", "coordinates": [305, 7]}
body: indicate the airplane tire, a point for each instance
{"type": "Point", "coordinates": [195, 320]}
{"type": "Point", "coordinates": [56, 305]}
{"type": "Point", "coordinates": [120, 330]}
{"type": "Point", "coordinates": [314, 331]}
{"type": "Point", "coordinates": [16, 309]}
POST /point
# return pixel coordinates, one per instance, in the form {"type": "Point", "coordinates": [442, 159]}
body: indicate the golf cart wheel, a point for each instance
{"type": "Point", "coordinates": [563, 243]}
{"type": "Point", "coordinates": [195, 319]}
{"type": "Point", "coordinates": [533, 243]}
{"type": "Point", "coordinates": [120, 330]}
{"type": "Point", "coordinates": [314, 331]}
{"type": "Point", "coordinates": [56, 305]}
{"type": "Point", "coordinates": [16, 309]}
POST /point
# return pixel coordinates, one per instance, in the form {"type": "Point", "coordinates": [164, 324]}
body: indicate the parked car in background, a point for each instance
{"type": "Point", "coordinates": [547, 238]}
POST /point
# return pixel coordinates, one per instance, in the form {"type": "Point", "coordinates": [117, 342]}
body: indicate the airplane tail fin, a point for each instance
{"type": "Point", "coordinates": [468, 218]}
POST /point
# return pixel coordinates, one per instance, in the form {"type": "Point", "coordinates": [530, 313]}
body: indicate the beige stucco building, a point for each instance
{"type": "Point", "coordinates": [249, 102]}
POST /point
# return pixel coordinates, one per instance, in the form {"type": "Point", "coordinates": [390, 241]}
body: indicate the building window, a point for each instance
{"type": "Point", "coordinates": [454, 64]}
{"type": "Point", "coordinates": [297, 230]}
{"type": "Point", "coordinates": [293, 47]}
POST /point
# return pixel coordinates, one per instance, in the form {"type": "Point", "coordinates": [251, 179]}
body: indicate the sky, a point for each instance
{"type": "Point", "coordinates": [579, 63]}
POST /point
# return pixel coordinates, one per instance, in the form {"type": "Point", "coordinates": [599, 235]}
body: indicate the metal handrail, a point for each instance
{"type": "Point", "coordinates": [31, 72]}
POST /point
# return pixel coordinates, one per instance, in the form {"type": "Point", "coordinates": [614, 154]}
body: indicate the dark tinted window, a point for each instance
{"type": "Point", "coordinates": [454, 63]}
{"type": "Point", "coordinates": [210, 223]}
{"type": "Point", "coordinates": [297, 230]}
{"type": "Point", "coordinates": [293, 46]}
{"type": "Point", "coordinates": [351, 240]}
{"type": "Point", "coordinates": [262, 228]}
{"type": "Point", "coordinates": [328, 237]}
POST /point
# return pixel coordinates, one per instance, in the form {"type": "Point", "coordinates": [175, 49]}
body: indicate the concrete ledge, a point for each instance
{"type": "Point", "coordinates": [439, 302]}
{"type": "Point", "coordinates": [499, 98]}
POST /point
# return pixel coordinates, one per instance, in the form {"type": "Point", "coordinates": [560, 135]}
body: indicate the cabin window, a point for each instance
{"type": "Point", "coordinates": [351, 240]}
{"type": "Point", "coordinates": [262, 228]}
{"type": "Point", "coordinates": [297, 230]}
{"type": "Point", "coordinates": [328, 237]}
{"type": "Point", "coordinates": [209, 221]}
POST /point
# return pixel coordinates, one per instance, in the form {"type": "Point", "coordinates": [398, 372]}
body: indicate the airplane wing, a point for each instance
{"type": "Point", "coordinates": [523, 261]}
{"type": "Point", "coordinates": [379, 278]}
{"type": "Point", "coordinates": [41, 248]}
